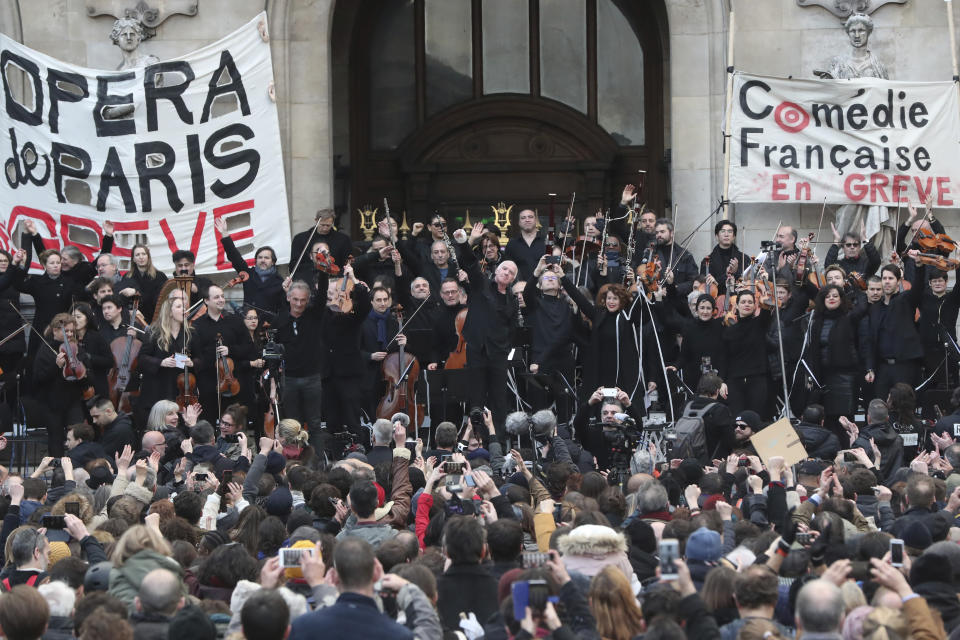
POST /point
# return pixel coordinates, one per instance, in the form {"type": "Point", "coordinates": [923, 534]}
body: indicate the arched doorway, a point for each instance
{"type": "Point", "coordinates": [457, 104]}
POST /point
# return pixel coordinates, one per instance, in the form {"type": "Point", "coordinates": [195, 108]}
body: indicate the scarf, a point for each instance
{"type": "Point", "coordinates": [381, 319]}
{"type": "Point", "coordinates": [263, 274]}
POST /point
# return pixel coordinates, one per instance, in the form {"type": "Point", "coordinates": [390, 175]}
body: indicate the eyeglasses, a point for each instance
{"type": "Point", "coordinates": [225, 423]}
{"type": "Point", "coordinates": [851, 244]}
{"type": "Point", "coordinates": [741, 426]}
{"type": "Point", "coordinates": [437, 224]}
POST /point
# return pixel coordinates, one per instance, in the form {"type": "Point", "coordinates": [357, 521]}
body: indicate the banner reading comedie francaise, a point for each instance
{"type": "Point", "coordinates": [72, 160]}
{"type": "Point", "coordinates": [865, 141]}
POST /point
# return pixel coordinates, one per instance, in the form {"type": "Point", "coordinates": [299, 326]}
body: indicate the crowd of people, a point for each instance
{"type": "Point", "coordinates": [336, 456]}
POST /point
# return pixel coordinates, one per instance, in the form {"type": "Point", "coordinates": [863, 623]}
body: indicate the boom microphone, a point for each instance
{"type": "Point", "coordinates": [517, 423]}
{"type": "Point", "coordinates": [624, 418]}
{"type": "Point", "coordinates": [402, 418]}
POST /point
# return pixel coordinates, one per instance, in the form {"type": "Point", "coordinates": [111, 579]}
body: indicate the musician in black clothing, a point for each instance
{"type": "Point", "coordinates": [747, 365]}
{"type": "Point", "coordinates": [60, 399]}
{"type": "Point", "coordinates": [527, 246]}
{"type": "Point", "coordinates": [490, 254]}
{"type": "Point", "coordinates": [342, 365]}
{"type": "Point", "coordinates": [97, 355]}
{"type": "Point", "coordinates": [338, 244]}
{"type": "Point", "coordinates": [894, 349]}
{"type": "Point", "coordinates": [938, 319]}
{"type": "Point", "coordinates": [859, 256]}
{"type": "Point", "coordinates": [491, 316]}
{"type": "Point", "coordinates": [11, 352]}
{"type": "Point", "coordinates": [725, 257]}
{"type": "Point", "coordinates": [112, 325]}
{"type": "Point", "coordinates": [678, 258]}
{"type": "Point", "coordinates": [162, 357]}
{"type": "Point", "coordinates": [148, 279]}
{"type": "Point", "coordinates": [264, 286]}
{"type": "Point", "coordinates": [298, 330]}
{"type": "Point", "coordinates": [376, 343]}
{"type": "Point", "coordinates": [185, 264]}
{"type": "Point", "coordinates": [215, 336]}
{"type": "Point", "coordinates": [444, 325]}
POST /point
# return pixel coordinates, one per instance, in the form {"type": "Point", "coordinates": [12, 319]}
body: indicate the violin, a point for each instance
{"type": "Point", "coordinates": [73, 369]}
{"type": "Point", "coordinates": [857, 281]}
{"type": "Point", "coordinates": [800, 267]}
{"type": "Point", "coordinates": [345, 292]}
{"type": "Point", "coordinates": [400, 372]}
{"type": "Point", "coordinates": [186, 389]}
{"type": "Point", "coordinates": [125, 351]}
{"type": "Point", "coordinates": [711, 288]}
{"type": "Point", "coordinates": [905, 284]}
{"type": "Point", "coordinates": [325, 263]}
{"type": "Point", "coordinates": [228, 385]}
{"type": "Point", "coordinates": [648, 272]}
{"type": "Point", "coordinates": [938, 261]}
{"type": "Point", "coordinates": [929, 241]}
{"type": "Point", "coordinates": [583, 247]}
{"type": "Point", "coordinates": [458, 357]}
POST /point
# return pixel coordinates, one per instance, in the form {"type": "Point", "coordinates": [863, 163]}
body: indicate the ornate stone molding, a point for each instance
{"type": "Point", "coordinates": [843, 8]}
{"type": "Point", "coordinates": [149, 16]}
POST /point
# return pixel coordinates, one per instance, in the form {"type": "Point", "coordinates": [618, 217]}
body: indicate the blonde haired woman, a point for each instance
{"type": "Point", "coordinates": [140, 550]}
{"type": "Point", "coordinates": [613, 605]}
{"type": "Point", "coordinates": [294, 438]}
{"type": "Point", "coordinates": [169, 338]}
{"type": "Point", "coordinates": [148, 279]}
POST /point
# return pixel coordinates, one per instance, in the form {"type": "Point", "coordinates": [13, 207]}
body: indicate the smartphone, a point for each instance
{"type": "Point", "coordinates": [53, 522]}
{"type": "Point", "coordinates": [470, 481]}
{"type": "Point", "coordinates": [553, 260]}
{"type": "Point", "coordinates": [452, 468]}
{"type": "Point", "coordinates": [72, 508]}
{"type": "Point", "coordinates": [290, 557]}
{"type": "Point", "coordinates": [520, 590]}
{"type": "Point", "coordinates": [534, 559]}
{"type": "Point", "coordinates": [609, 392]}
{"type": "Point", "coordinates": [199, 477]}
{"type": "Point", "coordinates": [234, 437]}
{"type": "Point", "coordinates": [804, 538]}
{"type": "Point", "coordinates": [227, 477]}
{"type": "Point", "coordinates": [669, 553]}
{"type": "Point", "coordinates": [896, 552]}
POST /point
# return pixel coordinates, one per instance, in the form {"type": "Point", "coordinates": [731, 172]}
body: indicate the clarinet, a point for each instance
{"type": "Point", "coordinates": [631, 248]}
{"type": "Point", "coordinates": [450, 248]}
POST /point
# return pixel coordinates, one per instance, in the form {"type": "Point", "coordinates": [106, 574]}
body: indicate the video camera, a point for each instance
{"type": "Point", "coordinates": [273, 351]}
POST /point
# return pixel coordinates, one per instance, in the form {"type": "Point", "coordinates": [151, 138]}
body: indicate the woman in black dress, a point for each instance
{"type": "Point", "coordinates": [148, 279]}
{"type": "Point", "coordinates": [169, 338]}
{"type": "Point", "coordinates": [98, 358]}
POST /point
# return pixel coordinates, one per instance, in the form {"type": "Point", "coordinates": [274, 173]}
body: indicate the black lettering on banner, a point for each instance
{"type": "Point", "coordinates": [113, 176]}
{"type": "Point", "coordinates": [118, 127]}
{"type": "Point", "coordinates": [196, 169]}
{"type": "Point", "coordinates": [745, 143]}
{"type": "Point", "coordinates": [14, 109]}
{"type": "Point", "coordinates": [18, 174]}
{"type": "Point", "coordinates": [173, 93]}
{"type": "Point", "coordinates": [61, 170]}
{"type": "Point", "coordinates": [230, 160]}
{"type": "Point", "coordinates": [828, 111]}
{"type": "Point", "coordinates": [161, 173]}
{"type": "Point", "coordinates": [750, 113]}
{"type": "Point", "coordinates": [58, 94]}
{"type": "Point", "coordinates": [234, 86]}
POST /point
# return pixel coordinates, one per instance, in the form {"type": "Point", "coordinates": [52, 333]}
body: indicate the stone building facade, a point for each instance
{"type": "Point", "coordinates": [484, 127]}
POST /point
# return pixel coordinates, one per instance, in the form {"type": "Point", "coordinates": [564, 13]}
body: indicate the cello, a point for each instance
{"type": "Point", "coordinates": [400, 371]}
{"type": "Point", "coordinates": [125, 351]}
{"type": "Point", "coordinates": [458, 357]}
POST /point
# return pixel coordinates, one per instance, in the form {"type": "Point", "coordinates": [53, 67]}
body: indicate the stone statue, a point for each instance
{"type": "Point", "coordinates": [861, 63]}
{"type": "Point", "coordinates": [128, 33]}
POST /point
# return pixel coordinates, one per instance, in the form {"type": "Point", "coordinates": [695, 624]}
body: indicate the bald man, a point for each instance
{"type": "Point", "coordinates": [160, 596]}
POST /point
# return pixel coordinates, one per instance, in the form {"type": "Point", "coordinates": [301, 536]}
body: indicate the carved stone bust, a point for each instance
{"type": "Point", "coordinates": [127, 34]}
{"type": "Point", "coordinates": [860, 61]}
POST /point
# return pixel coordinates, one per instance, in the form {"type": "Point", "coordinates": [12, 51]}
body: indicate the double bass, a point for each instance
{"type": "Point", "coordinates": [458, 357]}
{"type": "Point", "coordinates": [125, 351]}
{"type": "Point", "coordinates": [400, 372]}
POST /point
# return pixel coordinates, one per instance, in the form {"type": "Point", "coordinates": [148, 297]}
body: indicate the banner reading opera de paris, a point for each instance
{"type": "Point", "coordinates": [865, 141]}
{"type": "Point", "coordinates": [73, 158]}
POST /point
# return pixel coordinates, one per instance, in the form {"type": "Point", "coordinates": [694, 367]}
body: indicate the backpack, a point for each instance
{"type": "Point", "coordinates": [691, 439]}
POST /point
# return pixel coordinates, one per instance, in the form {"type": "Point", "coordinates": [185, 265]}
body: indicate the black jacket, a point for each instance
{"type": "Point", "coordinates": [466, 588]}
{"type": "Point", "coordinates": [149, 289]}
{"type": "Point", "coordinates": [742, 341]}
{"type": "Point", "coordinates": [340, 247]}
{"type": "Point", "coordinates": [896, 319]}
{"type": "Point", "coordinates": [117, 434]}
{"type": "Point", "coordinates": [719, 261]}
{"type": "Point", "coordinates": [889, 443]}
{"type": "Point", "coordinates": [263, 292]}
{"type": "Point", "coordinates": [937, 522]}
{"type": "Point", "coordinates": [818, 441]}
{"type": "Point", "coordinates": [491, 314]}
{"type": "Point", "coordinates": [866, 263]}
{"type": "Point", "coordinates": [526, 256]}
{"type": "Point", "coordinates": [340, 334]}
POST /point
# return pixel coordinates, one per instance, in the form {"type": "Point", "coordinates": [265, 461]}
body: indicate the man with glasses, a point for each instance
{"type": "Point", "coordinates": [859, 255]}
{"type": "Point", "coordinates": [339, 245]}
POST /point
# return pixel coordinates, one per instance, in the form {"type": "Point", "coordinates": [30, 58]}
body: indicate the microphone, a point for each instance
{"type": "Point", "coordinates": [517, 423]}
{"type": "Point", "coordinates": [624, 418]}
{"type": "Point", "coordinates": [402, 418]}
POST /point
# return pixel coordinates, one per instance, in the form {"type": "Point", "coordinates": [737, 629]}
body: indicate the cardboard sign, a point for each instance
{"type": "Point", "coordinates": [779, 439]}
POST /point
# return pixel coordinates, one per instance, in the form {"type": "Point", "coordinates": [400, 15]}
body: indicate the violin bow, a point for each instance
{"type": "Point", "coordinates": [13, 335]}
{"type": "Point", "coordinates": [305, 247]}
{"type": "Point", "coordinates": [409, 318]}
{"type": "Point", "coordinates": [683, 245]}
{"type": "Point", "coordinates": [39, 333]}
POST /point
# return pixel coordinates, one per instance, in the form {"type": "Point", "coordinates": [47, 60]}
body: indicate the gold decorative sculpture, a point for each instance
{"type": "Point", "coordinates": [501, 220]}
{"type": "Point", "coordinates": [404, 227]}
{"type": "Point", "coordinates": [368, 221]}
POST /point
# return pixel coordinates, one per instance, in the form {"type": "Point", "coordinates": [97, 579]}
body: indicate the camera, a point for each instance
{"type": "Point", "coordinates": [290, 557]}
{"type": "Point", "coordinates": [55, 463]}
{"type": "Point", "coordinates": [553, 260]}
{"type": "Point", "coordinates": [234, 437]}
{"type": "Point", "coordinates": [53, 522]}
{"type": "Point", "coordinates": [744, 461]}
{"type": "Point", "coordinates": [272, 350]}
{"type": "Point", "coordinates": [476, 419]}
{"type": "Point", "coordinates": [770, 245]}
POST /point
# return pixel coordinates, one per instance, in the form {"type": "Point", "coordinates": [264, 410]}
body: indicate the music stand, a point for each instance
{"type": "Point", "coordinates": [452, 385]}
{"type": "Point", "coordinates": [550, 384]}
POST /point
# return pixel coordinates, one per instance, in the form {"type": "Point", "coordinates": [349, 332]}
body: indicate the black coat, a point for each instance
{"type": "Point", "coordinates": [900, 322]}
{"type": "Point", "coordinates": [743, 341]}
{"type": "Point", "coordinates": [719, 262]}
{"type": "Point", "coordinates": [149, 289]}
{"type": "Point", "coordinates": [263, 292]}
{"type": "Point", "coordinates": [841, 351]}
{"type": "Point", "coordinates": [866, 264]}
{"type": "Point", "coordinates": [491, 314]}
{"type": "Point", "coordinates": [340, 334]}
{"type": "Point", "coordinates": [340, 247]}
{"type": "Point", "coordinates": [819, 442]}
{"type": "Point", "coordinates": [525, 255]}
{"type": "Point", "coordinates": [117, 434]}
{"type": "Point", "coordinates": [51, 295]}
{"type": "Point", "coordinates": [98, 359]}
{"type": "Point", "coordinates": [466, 588]}
{"type": "Point", "coordinates": [700, 340]}
{"type": "Point", "coordinates": [889, 443]}
{"type": "Point", "coordinates": [158, 383]}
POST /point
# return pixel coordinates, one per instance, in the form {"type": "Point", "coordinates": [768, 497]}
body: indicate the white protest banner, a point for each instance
{"type": "Point", "coordinates": [165, 172]}
{"type": "Point", "coordinates": [865, 141]}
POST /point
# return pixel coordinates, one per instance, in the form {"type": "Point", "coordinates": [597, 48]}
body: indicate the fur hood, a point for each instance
{"type": "Point", "coordinates": [592, 540]}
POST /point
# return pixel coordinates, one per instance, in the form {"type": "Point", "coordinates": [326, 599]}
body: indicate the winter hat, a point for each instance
{"type": "Point", "coordinates": [750, 418]}
{"type": "Point", "coordinates": [930, 567]}
{"type": "Point", "coordinates": [58, 551]}
{"type": "Point", "coordinates": [191, 623]}
{"type": "Point", "coordinates": [279, 503]}
{"type": "Point", "coordinates": [478, 453]}
{"type": "Point", "coordinates": [641, 535]}
{"type": "Point", "coordinates": [99, 476]}
{"type": "Point", "coordinates": [276, 463]}
{"type": "Point", "coordinates": [916, 535]}
{"type": "Point", "coordinates": [506, 580]}
{"type": "Point", "coordinates": [356, 455]}
{"type": "Point", "coordinates": [704, 545]}
{"type": "Point", "coordinates": [691, 470]}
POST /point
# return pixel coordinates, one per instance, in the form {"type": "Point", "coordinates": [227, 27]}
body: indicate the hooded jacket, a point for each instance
{"type": "Point", "coordinates": [125, 580]}
{"type": "Point", "coordinates": [590, 547]}
{"type": "Point", "coordinates": [888, 441]}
